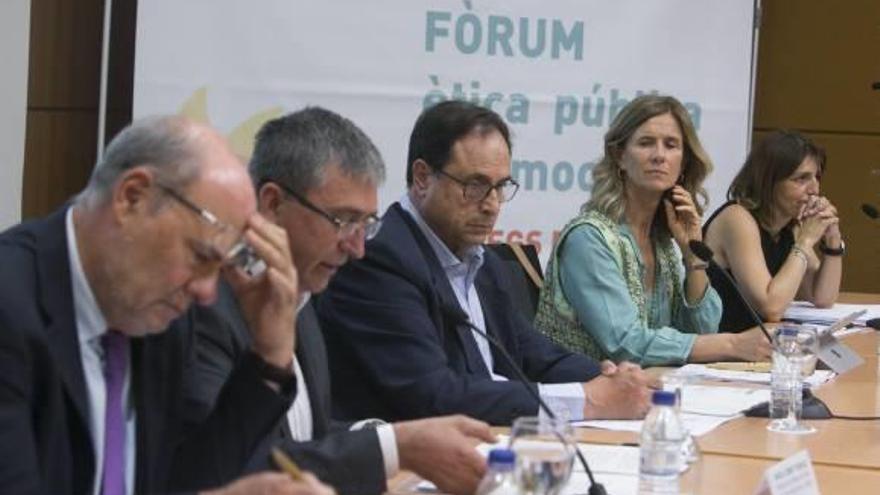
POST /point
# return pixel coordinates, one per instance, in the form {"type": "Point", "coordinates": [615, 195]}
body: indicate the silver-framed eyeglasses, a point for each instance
{"type": "Point", "coordinates": [478, 190]}
{"type": "Point", "coordinates": [370, 224]}
{"type": "Point", "coordinates": [240, 254]}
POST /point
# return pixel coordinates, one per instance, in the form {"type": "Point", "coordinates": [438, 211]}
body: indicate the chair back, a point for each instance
{"type": "Point", "coordinates": [526, 274]}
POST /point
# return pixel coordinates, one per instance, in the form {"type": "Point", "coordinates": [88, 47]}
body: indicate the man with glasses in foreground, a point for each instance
{"type": "Point", "coordinates": [316, 176]}
{"type": "Point", "coordinates": [92, 354]}
{"type": "Point", "coordinates": [396, 351]}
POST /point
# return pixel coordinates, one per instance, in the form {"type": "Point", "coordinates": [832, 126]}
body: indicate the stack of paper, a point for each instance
{"type": "Point", "coordinates": [807, 313]}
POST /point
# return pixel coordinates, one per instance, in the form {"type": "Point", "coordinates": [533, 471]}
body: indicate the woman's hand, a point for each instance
{"type": "Point", "coordinates": [683, 218]}
{"type": "Point", "coordinates": [818, 220]}
{"type": "Point", "coordinates": [823, 208]}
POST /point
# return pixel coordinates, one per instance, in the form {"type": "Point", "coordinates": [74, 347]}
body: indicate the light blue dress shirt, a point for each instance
{"type": "Point", "coordinates": [594, 286]}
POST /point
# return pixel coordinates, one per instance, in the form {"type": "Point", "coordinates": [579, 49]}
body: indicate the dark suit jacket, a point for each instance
{"type": "Point", "coordinates": [44, 411]}
{"type": "Point", "coordinates": [394, 354]}
{"type": "Point", "coordinates": [351, 461]}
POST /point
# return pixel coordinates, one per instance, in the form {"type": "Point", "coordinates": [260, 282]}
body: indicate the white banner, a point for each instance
{"type": "Point", "coordinates": [15, 17]}
{"type": "Point", "coordinates": [556, 71]}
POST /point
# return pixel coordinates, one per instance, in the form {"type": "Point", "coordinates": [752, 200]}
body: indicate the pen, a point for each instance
{"type": "Point", "coordinates": [286, 464]}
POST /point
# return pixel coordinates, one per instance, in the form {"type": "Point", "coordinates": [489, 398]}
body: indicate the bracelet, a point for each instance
{"type": "Point", "coordinates": [702, 265]}
{"type": "Point", "coordinates": [800, 253]}
{"type": "Point", "coordinates": [698, 265]}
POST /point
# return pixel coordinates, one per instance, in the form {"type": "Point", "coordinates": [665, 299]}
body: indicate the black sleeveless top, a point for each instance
{"type": "Point", "coordinates": [735, 317]}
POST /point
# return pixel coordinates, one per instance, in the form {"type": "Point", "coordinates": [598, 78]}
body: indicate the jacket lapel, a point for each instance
{"type": "Point", "coordinates": [462, 335]}
{"type": "Point", "coordinates": [495, 313]}
{"type": "Point", "coordinates": [309, 353]}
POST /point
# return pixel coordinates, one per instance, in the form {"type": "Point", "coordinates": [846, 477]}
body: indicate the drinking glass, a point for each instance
{"type": "Point", "coordinates": [544, 454]}
{"type": "Point", "coordinates": [800, 344]}
{"type": "Point", "coordinates": [808, 338]}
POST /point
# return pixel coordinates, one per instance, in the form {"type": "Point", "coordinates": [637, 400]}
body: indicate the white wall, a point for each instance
{"type": "Point", "coordinates": [15, 18]}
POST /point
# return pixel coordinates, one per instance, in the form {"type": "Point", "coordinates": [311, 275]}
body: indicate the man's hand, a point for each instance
{"type": "Point", "coordinates": [608, 367]}
{"type": "Point", "coordinates": [268, 300]}
{"type": "Point", "coordinates": [274, 484]}
{"type": "Point", "coordinates": [621, 393]}
{"type": "Point", "coordinates": [442, 451]}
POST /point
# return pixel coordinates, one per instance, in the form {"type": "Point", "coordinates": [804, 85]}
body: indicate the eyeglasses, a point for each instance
{"type": "Point", "coordinates": [370, 225]}
{"type": "Point", "coordinates": [476, 191]}
{"type": "Point", "coordinates": [239, 254]}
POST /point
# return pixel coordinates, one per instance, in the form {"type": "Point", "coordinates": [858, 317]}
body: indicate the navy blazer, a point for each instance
{"type": "Point", "coordinates": [351, 461]}
{"type": "Point", "coordinates": [395, 353]}
{"type": "Point", "coordinates": [44, 410]}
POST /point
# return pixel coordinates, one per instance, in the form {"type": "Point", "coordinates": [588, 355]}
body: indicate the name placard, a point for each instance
{"type": "Point", "coordinates": [792, 476]}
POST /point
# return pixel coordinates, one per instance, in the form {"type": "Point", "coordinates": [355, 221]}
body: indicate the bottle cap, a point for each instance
{"type": "Point", "coordinates": [788, 331]}
{"type": "Point", "coordinates": [502, 456]}
{"type": "Point", "coordinates": [663, 398]}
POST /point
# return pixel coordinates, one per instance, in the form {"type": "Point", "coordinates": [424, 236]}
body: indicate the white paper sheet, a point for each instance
{"type": "Point", "coordinates": [704, 408]}
{"type": "Point", "coordinates": [701, 371]}
{"type": "Point", "coordinates": [720, 401]}
{"type": "Point", "coordinates": [697, 424]}
{"type": "Point", "coordinates": [578, 484]}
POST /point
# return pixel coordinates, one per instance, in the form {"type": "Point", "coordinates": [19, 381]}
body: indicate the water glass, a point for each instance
{"type": "Point", "coordinates": [793, 350]}
{"type": "Point", "coordinates": [544, 453]}
{"type": "Point", "coordinates": [808, 339]}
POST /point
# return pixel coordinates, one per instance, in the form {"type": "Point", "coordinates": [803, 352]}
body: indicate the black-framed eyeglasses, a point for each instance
{"type": "Point", "coordinates": [240, 253]}
{"type": "Point", "coordinates": [344, 228]}
{"type": "Point", "coordinates": [476, 191]}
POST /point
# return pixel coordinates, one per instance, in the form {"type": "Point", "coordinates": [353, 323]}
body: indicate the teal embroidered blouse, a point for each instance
{"type": "Point", "coordinates": [593, 284]}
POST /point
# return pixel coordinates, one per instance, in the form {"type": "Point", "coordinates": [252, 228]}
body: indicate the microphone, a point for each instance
{"type": "Point", "coordinates": [459, 317]}
{"type": "Point", "coordinates": [870, 211]}
{"type": "Point", "coordinates": [704, 252]}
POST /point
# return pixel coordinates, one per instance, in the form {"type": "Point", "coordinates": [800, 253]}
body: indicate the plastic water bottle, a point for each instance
{"type": "Point", "coordinates": [661, 441]}
{"type": "Point", "coordinates": [786, 382]}
{"type": "Point", "coordinates": [500, 478]}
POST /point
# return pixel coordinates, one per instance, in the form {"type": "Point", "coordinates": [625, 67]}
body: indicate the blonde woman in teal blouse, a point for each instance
{"type": "Point", "coordinates": [622, 283]}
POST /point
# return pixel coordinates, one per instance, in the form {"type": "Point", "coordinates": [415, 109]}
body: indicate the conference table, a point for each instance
{"type": "Point", "coordinates": [845, 453]}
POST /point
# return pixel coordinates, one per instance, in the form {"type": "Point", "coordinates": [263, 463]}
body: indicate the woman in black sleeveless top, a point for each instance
{"type": "Point", "coordinates": [768, 234]}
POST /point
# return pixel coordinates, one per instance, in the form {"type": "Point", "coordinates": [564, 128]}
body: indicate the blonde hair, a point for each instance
{"type": "Point", "coordinates": [608, 196]}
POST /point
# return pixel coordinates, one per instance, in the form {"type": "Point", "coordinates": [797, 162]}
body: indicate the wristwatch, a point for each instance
{"type": "Point", "coordinates": [284, 378]}
{"type": "Point", "coordinates": [827, 251]}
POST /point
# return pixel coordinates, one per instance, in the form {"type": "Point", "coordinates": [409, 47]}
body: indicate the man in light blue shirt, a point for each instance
{"type": "Point", "coordinates": [396, 352]}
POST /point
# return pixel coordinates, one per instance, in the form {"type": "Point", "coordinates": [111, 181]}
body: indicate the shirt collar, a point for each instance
{"type": "Point", "coordinates": [303, 300]}
{"type": "Point", "coordinates": [473, 256]}
{"type": "Point", "coordinates": [90, 321]}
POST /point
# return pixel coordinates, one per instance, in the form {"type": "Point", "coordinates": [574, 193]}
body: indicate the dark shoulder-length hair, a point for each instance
{"type": "Point", "coordinates": [772, 160]}
{"type": "Point", "coordinates": [608, 184]}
